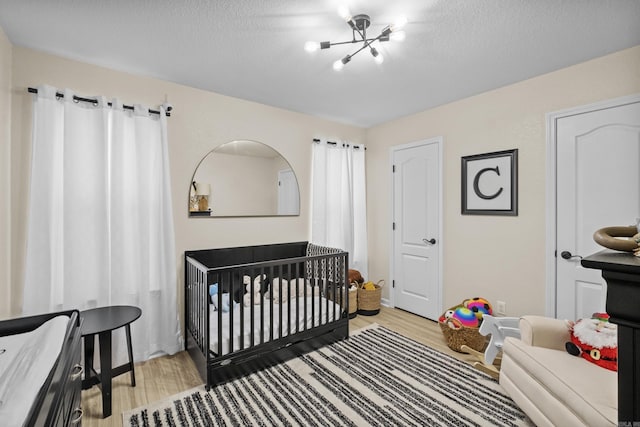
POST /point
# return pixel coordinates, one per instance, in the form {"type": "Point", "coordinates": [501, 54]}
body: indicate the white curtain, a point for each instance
{"type": "Point", "coordinates": [339, 205]}
{"type": "Point", "coordinates": [100, 225]}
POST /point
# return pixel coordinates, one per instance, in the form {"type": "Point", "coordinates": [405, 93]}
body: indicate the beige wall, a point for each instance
{"type": "Point", "coordinates": [495, 257]}
{"type": "Point", "coordinates": [200, 121]}
{"type": "Point", "coordinates": [499, 258]}
{"type": "Point", "coordinates": [5, 168]}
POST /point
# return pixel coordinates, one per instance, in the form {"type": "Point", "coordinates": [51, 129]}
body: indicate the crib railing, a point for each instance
{"type": "Point", "coordinates": [197, 303]}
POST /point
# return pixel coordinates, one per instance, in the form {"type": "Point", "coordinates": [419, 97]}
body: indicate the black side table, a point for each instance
{"type": "Point", "coordinates": [102, 321]}
{"type": "Point", "coordinates": [621, 270]}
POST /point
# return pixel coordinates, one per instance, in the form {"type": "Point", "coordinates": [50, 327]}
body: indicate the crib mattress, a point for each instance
{"type": "Point", "coordinates": [288, 326]}
{"type": "Point", "coordinates": [25, 364]}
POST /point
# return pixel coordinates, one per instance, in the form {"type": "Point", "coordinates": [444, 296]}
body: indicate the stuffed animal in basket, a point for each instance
{"type": "Point", "coordinates": [369, 286]}
{"type": "Point", "coordinates": [468, 314]}
{"type": "Point", "coordinates": [595, 340]}
{"type": "Point", "coordinates": [458, 317]}
{"type": "Point", "coordinates": [479, 306]}
{"type": "Point", "coordinates": [355, 276]}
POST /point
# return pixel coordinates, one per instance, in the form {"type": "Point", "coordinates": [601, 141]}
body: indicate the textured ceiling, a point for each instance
{"type": "Point", "coordinates": [253, 49]}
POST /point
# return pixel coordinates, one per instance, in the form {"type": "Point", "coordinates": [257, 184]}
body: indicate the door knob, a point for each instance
{"type": "Point", "coordinates": [569, 255]}
{"type": "Point", "coordinates": [432, 241]}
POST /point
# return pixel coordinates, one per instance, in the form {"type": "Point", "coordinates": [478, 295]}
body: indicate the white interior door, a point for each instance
{"type": "Point", "coordinates": [288, 197]}
{"type": "Point", "coordinates": [417, 228]}
{"type": "Point", "coordinates": [598, 185]}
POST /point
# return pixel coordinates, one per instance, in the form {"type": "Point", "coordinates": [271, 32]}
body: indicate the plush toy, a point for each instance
{"type": "Point", "coordinates": [254, 289]}
{"type": "Point", "coordinates": [595, 340]}
{"type": "Point", "coordinates": [226, 303]}
{"type": "Point", "coordinates": [446, 315]}
{"type": "Point", "coordinates": [279, 291]}
{"type": "Point", "coordinates": [296, 287]}
{"type": "Point", "coordinates": [213, 290]}
{"type": "Point", "coordinates": [458, 317]}
{"type": "Point", "coordinates": [274, 290]}
{"type": "Point", "coordinates": [447, 318]}
{"type": "Point", "coordinates": [248, 294]}
{"type": "Point", "coordinates": [257, 281]}
{"type": "Point", "coordinates": [355, 276]}
{"type": "Point", "coordinates": [369, 286]}
{"type": "Point", "coordinates": [479, 306]}
{"type": "Point", "coordinates": [308, 291]}
{"type": "Point", "coordinates": [465, 317]}
{"type": "Point", "coordinates": [300, 287]}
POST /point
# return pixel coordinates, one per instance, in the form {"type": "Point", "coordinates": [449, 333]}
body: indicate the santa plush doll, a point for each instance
{"type": "Point", "coordinates": [596, 340]}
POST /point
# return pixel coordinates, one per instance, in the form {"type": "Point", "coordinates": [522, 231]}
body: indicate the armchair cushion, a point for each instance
{"type": "Point", "coordinates": [544, 332]}
{"type": "Point", "coordinates": [551, 386]}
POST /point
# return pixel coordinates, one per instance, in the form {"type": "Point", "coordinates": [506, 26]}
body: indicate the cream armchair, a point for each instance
{"type": "Point", "coordinates": [551, 386]}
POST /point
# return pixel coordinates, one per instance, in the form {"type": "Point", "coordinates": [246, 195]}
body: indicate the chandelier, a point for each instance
{"type": "Point", "coordinates": [359, 24]}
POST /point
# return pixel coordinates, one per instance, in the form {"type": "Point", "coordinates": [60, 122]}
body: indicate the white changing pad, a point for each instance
{"type": "Point", "coordinates": [289, 325]}
{"type": "Point", "coordinates": [25, 364]}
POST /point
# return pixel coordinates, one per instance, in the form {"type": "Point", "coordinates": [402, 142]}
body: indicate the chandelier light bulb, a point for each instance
{"type": "Point", "coordinates": [397, 36]}
{"type": "Point", "coordinates": [311, 46]}
{"type": "Point", "coordinates": [343, 12]}
{"type": "Point", "coordinates": [340, 63]}
{"type": "Point", "coordinates": [399, 23]}
{"type": "Point", "coordinates": [377, 56]}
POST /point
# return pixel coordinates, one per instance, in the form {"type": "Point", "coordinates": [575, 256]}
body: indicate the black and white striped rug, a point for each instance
{"type": "Point", "coordinates": [376, 377]}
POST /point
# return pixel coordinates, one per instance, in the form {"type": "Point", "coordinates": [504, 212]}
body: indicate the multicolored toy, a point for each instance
{"type": "Point", "coordinates": [466, 317]}
{"type": "Point", "coordinates": [459, 317]}
{"type": "Point", "coordinates": [468, 314]}
{"type": "Point", "coordinates": [461, 324]}
{"type": "Point", "coordinates": [595, 340]}
{"type": "Point", "coordinates": [479, 306]}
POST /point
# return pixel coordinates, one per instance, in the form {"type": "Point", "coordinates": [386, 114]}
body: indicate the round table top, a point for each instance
{"type": "Point", "coordinates": [101, 319]}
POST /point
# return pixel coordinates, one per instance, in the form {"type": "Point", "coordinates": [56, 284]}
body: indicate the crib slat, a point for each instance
{"type": "Point", "coordinates": [304, 300]}
{"type": "Point", "coordinates": [291, 300]}
{"type": "Point", "coordinates": [222, 280]}
{"type": "Point", "coordinates": [204, 336]}
{"type": "Point", "coordinates": [280, 297]}
{"type": "Point", "coordinates": [251, 311]}
{"type": "Point", "coordinates": [240, 288]}
{"type": "Point", "coordinates": [270, 309]}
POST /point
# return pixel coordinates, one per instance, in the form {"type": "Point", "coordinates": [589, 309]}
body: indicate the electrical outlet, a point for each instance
{"type": "Point", "coordinates": [501, 307]}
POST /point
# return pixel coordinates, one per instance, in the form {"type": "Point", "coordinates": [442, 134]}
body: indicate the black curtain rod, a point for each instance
{"type": "Point", "coordinates": [93, 101]}
{"type": "Point", "coordinates": [317, 141]}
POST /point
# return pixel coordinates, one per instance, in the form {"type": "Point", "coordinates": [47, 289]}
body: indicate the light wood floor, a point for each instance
{"type": "Point", "coordinates": [164, 376]}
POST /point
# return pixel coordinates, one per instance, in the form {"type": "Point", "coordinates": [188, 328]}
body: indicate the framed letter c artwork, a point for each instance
{"type": "Point", "coordinates": [490, 183]}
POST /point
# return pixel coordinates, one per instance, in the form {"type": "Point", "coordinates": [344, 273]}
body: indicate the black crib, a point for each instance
{"type": "Point", "coordinates": [259, 331]}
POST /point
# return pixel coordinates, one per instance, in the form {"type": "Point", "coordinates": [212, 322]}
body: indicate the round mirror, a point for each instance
{"type": "Point", "coordinates": [243, 178]}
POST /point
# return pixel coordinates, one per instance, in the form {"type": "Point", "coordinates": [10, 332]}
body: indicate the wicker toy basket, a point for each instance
{"type": "Point", "coordinates": [352, 309]}
{"type": "Point", "coordinates": [464, 335]}
{"type": "Point", "coordinates": [353, 301]}
{"type": "Point", "coordinates": [369, 300]}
